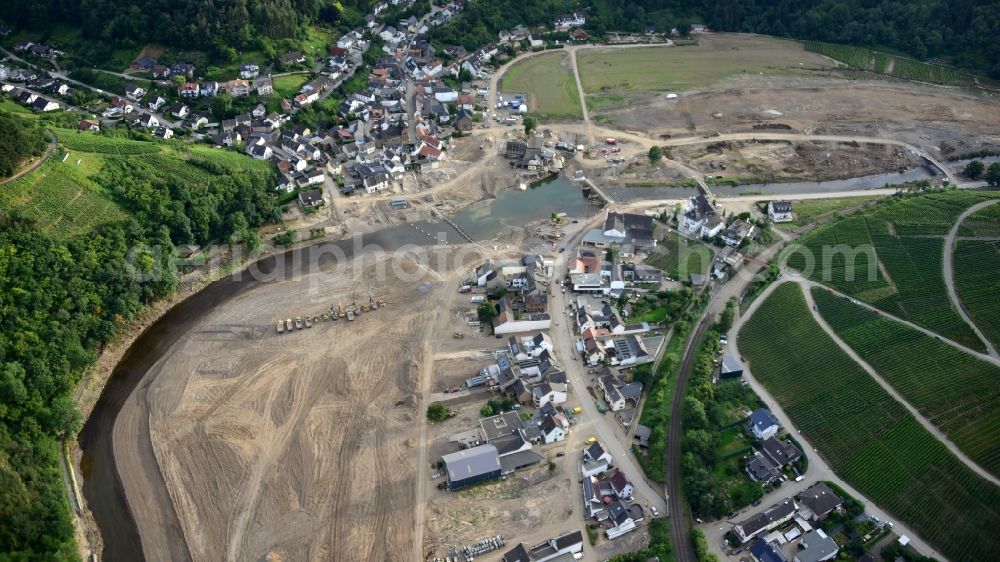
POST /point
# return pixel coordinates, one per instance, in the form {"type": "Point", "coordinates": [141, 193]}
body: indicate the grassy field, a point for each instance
{"type": "Point", "coordinates": [548, 82]}
{"type": "Point", "coordinates": [896, 268]}
{"type": "Point", "coordinates": [976, 264]}
{"type": "Point", "coordinates": [288, 86]}
{"type": "Point", "coordinates": [867, 436]}
{"type": "Point", "coordinates": [955, 391]}
{"type": "Point", "coordinates": [805, 212]}
{"type": "Point", "coordinates": [655, 69]}
{"type": "Point", "coordinates": [678, 257]}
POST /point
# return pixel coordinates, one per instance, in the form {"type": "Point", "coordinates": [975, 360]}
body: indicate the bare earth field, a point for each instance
{"type": "Point", "coordinates": [298, 445]}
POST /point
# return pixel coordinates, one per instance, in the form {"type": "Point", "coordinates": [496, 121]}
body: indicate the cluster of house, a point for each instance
{"type": "Point", "coordinates": [604, 338]}
{"type": "Point", "coordinates": [37, 49]}
{"type": "Point", "coordinates": [524, 305]}
{"type": "Point", "coordinates": [33, 100]}
{"type": "Point", "coordinates": [768, 461]}
{"type": "Point", "coordinates": [503, 444]}
{"type": "Point", "coordinates": [556, 549]}
{"type": "Point", "coordinates": [607, 493]}
{"type": "Point", "coordinates": [790, 520]}
{"type": "Point", "coordinates": [627, 234]}
{"type": "Point", "coordinates": [531, 155]}
{"type": "Point", "coordinates": [700, 218]}
{"type": "Point", "coordinates": [527, 372]}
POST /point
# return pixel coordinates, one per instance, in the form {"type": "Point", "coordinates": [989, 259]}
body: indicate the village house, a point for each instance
{"type": "Point", "coordinates": [156, 103]}
{"type": "Point", "coordinates": [134, 92]}
{"type": "Point", "coordinates": [817, 502]}
{"type": "Point", "coordinates": [264, 86]}
{"type": "Point", "coordinates": [771, 518]}
{"type": "Point", "coordinates": [237, 88]}
{"type": "Point", "coordinates": [567, 21]}
{"type": "Point", "coordinates": [763, 424]}
{"type": "Point", "coordinates": [779, 211]}
{"type": "Point", "coordinates": [249, 71]}
{"type": "Point", "coordinates": [735, 233]}
{"type": "Point", "coordinates": [189, 90]}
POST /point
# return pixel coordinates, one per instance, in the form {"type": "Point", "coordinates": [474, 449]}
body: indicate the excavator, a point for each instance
{"type": "Point", "coordinates": [340, 310]}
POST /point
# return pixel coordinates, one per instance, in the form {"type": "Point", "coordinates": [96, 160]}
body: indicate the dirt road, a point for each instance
{"type": "Point", "coordinates": [949, 275]}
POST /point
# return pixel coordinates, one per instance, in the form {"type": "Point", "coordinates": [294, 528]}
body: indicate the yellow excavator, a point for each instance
{"type": "Point", "coordinates": [340, 310]}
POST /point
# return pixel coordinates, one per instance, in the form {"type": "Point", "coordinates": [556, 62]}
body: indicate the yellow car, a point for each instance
{"type": "Point", "coordinates": [591, 441]}
{"type": "Point", "coordinates": [577, 410]}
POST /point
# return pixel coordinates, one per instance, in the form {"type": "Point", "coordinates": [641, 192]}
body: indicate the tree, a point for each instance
{"type": "Point", "coordinates": [487, 311]}
{"type": "Point", "coordinates": [437, 412]}
{"type": "Point", "coordinates": [655, 154]}
{"type": "Point", "coordinates": [993, 174]}
{"type": "Point", "coordinates": [694, 413]}
{"type": "Point", "coordinates": [974, 169]}
{"type": "Point", "coordinates": [530, 124]}
{"type": "Point", "coordinates": [486, 411]}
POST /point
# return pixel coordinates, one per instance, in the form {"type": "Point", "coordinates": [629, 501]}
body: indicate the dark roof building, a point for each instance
{"type": "Point", "coordinates": [819, 500]}
{"type": "Point", "coordinates": [763, 551]}
{"type": "Point", "coordinates": [471, 466]}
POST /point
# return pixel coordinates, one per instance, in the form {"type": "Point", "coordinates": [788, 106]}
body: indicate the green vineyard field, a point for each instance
{"type": "Point", "coordinates": [61, 201]}
{"type": "Point", "coordinates": [865, 434]}
{"type": "Point", "coordinates": [957, 392]}
{"type": "Point", "coordinates": [90, 142]}
{"type": "Point", "coordinates": [890, 256]}
{"type": "Point", "coordinates": [890, 64]}
{"type": "Point", "coordinates": [977, 282]}
{"type": "Point", "coordinates": [678, 258]}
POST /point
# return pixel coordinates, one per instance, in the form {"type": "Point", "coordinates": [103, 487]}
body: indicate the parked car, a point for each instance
{"type": "Point", "coordinates": [656, 512]}
{"type": "Point", "coordinates": [591, 441]}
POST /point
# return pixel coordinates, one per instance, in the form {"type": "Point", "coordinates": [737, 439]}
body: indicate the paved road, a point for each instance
{"type": "Point", "coordinates": [818, 467]}
{"type": "Point", "coordinates": [928, 425]}
{"type": "Point", "coordinates": [949, 275]}
{"type": "Point", "coordinates": [602, 425]}
{"type": "Point", "coordinates": [34, 166]}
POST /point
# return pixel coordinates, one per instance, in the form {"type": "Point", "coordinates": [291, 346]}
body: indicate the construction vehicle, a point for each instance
{"type": "Point", "coordinates": [326, 317]}
{"type": "Point", "coordinates": [281, 326]}
{"type": "Point", "coordinates": [350, 316]}
{"type": "Point", "coordinates": [459, 335]}
{"type": "Point", "coordinates": [371, 303]}
{"type": "Point", "coordinates": [309, 323]}
{"type": "Point", "coordinates": [340, 310]}
{"type": "Point", "coordinates": [288, 325]}
{"type": "Point", "coordinates": [380, 302]}
{"type": "Point", "coordinates": [298, 322]}
{"type": "Point", "coordinates": [364, 307]}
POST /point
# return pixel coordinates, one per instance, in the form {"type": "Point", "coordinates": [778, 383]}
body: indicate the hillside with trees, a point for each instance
{"type": "Point", "coordinates": [218, 26]}
{"type": "Point", "coordinates": [19, 140]}
{"type": "Point", "coordinates": [963, 31]}
{"type": "Point", "coordinates": [64, 297]}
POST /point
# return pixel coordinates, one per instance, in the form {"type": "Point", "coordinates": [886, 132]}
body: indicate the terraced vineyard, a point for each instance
{"type": "Point", "coordinates": [678, 257]}
{"type": "Point", "coordinates": [866, 435]}
{"type": "Point", "coordinates": [90, 142]}
{"type": "Point", "coordinates": [977, 263]}
{"type": "Point", "coordinates": [63, 202]}
{"type": "Point", "coordinates": [956, 391]}
{"type": "Point", "coordinates": [984, 222]}
{"type": "Point", "coordinates": [890, 257]}
{"type": "Point", "coordinates": [889, 64]}
{"type": "Point", "coordinates": [929, 213]}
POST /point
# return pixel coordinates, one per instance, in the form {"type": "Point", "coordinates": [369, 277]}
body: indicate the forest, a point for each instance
{"type": "Point", "coordinates": [19, 140]}
{"type": "Point", "coordinates": [62, 299]}
{"type": "Point", "coordinates": [210, 26]}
